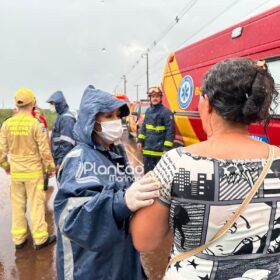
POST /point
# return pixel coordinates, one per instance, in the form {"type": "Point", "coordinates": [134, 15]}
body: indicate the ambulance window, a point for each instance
{"type": "Point", "coordinates": [136, 108]}
{"type": "Point", "coordinates": [274, 69]}
{"type": "Point", "coordinates": [144, 108]}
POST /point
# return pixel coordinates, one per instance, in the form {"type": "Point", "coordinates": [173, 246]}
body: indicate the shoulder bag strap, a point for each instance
{"type": "Point", "coordinates": [233, 218]}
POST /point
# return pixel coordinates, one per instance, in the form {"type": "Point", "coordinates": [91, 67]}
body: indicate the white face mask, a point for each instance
{"type": "Point", "coordinates": [111, 131]}
{"type": "Point", "coordinates": [52, 108]}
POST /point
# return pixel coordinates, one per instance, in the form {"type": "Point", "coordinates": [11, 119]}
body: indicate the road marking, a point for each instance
{"type": "Point", "coordinates": [131, 153]}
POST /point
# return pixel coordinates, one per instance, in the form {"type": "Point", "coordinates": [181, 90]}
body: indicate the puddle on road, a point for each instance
{"type": "Point", "coordinates": [40, 265]}
{"type": "Point", "coordinates": [27, 263]}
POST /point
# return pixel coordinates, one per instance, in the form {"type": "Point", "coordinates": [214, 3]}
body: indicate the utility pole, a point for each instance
{"type": "Point", "coordinates": [147, 61]}
{"type": "Point", "coordinates": [147, 67]}
{"type": "Point", "coordinates": [124, 82]}
{"type": "Point", "coordinates": [137, 95]}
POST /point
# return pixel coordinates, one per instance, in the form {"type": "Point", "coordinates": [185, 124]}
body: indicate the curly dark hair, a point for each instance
{"type": "Point", "coordinates": [240, 90]}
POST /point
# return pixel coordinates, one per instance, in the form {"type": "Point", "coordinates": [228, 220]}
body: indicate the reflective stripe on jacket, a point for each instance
{"type": "Point", "coordinates": [24, 138]}
{"type": "Point", "coordinates": [157, 131]}
{"type": "Point", "coordinates": [90, 212]}
{"type": "Point", "coordinates": [62, 139]}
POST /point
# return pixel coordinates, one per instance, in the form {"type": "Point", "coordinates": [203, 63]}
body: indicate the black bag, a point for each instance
{"type": "Point", "coordinates": [46, 181]}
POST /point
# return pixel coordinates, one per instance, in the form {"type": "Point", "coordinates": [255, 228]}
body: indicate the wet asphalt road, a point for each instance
{"type": "Point", "coordinates": [29, 264]}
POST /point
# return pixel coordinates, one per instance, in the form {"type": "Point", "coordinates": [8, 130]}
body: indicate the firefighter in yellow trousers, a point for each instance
{"type": "Point", "coordinates": [24, 140]}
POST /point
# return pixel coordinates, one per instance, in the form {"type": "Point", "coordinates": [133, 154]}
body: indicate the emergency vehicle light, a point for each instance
{"type": "Point", "coordinates": [236, 32]}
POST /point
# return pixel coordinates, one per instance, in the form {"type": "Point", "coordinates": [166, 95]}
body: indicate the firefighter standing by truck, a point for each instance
{"type": "Point", "coordinates": [24, 139]}
{"type": "Point", "coordinates": [157, 132]}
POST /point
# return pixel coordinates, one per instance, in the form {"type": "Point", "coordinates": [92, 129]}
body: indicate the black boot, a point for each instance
{"type": "Point", "coordinates": [51, 239]}
{"type": "Point", "coordinates": [22, 245]}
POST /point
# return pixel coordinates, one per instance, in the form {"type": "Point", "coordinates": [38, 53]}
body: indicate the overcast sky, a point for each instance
{"type": "Point", "coordinates": [68, 44]}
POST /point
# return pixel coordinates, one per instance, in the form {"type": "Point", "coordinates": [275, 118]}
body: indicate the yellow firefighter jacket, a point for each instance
{"type": "Point", "coordinates": [24, 138]}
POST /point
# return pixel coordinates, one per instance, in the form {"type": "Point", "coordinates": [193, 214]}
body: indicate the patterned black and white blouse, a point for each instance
{"type": "Point", "coordinates": [202, 194]}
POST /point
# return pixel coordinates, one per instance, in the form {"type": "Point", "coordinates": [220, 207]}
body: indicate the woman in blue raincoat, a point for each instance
{"type": "Point", "coordinates": [95, 200]}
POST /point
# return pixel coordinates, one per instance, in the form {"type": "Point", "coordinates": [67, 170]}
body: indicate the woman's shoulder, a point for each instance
{"type": "Point", "coordinates": [178, 158]}
{"type": "Point", "coordinates": [175, 154]}
{"type": "Point", "coordinates": [232, 152]}
{"type": "Point", "coordinates": [277, 151]}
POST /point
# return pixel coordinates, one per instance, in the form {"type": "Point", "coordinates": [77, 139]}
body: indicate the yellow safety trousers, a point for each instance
{"type": "Point", "coordinates": [31, 192]}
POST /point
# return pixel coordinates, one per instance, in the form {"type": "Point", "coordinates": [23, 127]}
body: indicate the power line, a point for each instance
{"type": "Point", "coordinates": [137, 91]}
{"type": "Point", "coordinates": [202, 28]}
{"type": "Point", "coordinates": [124, 83]}
{"type": "Point", "coordinates": [214, 19]}
{"type": "Point", "coordinates": [256, 8]}
{"type": "Point", "coordinates": [143, 74]}
{"type": "Point", "coordinates": [210, 22]}
{"type": "Point", "coordinates": [173, 23]}
{"type": "Point", "coordinates": [117, 85]}
{"type": "Point", "coordinates": [184, 11]}
{"type": "Point", "coordinates": [167, 30]}
{"type": "Point", "coordinates": [163, 34]}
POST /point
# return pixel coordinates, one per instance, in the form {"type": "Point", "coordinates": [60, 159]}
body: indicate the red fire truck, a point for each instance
{"type": "Point", "coordinates": [122, 97]}
{"type": "Point", "coordinates": [257, 38]}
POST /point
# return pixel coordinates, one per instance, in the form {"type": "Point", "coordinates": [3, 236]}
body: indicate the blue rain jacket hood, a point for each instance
{"type": "Point", "coordinates": [62, 139]}
{"type": "Point", "coordinates": [93, 102]}
{"type": "Point", "coordinates": [59, 100]}
{"type": "Point", "coordinates": [93, 240]}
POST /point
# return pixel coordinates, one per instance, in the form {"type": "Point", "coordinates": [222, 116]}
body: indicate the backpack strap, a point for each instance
{"type": "Point", "coordinates": [222, 231]}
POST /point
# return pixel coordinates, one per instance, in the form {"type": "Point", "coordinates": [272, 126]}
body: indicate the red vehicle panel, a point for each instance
{"type": "Point", "coordinates": [257, 37]}
{"type": "Point", "coordinates": [136, 117]}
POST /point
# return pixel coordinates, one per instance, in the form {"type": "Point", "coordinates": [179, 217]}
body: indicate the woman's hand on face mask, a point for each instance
{"type": "Point", "coordinates": [142, 193]}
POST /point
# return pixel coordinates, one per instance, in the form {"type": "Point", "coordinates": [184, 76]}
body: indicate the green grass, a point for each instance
{"type": "Point", "coordinates": [7, 113]}
{"type": "Point", "coordinates": [50, 116]}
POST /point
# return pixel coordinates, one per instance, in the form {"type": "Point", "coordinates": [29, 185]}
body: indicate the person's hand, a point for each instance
{"type": "Point", "coordinates": [139, 147]}
{"type": "Point", "coordinates": [51, 170]}
{"type": "Point", "coordinates": [6, 166]}
{"type": "Point", "coordinates": [142, 193]}
{"type": "Point", "coordinates": [57, 168]}
{"type": "Point", "coordinates": [7, 169]}
{"type": "Point", "coordinates": [52, 174]}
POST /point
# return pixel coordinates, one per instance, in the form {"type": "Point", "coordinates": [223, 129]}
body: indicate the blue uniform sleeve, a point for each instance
{"type": "Point", "coordinates": [90, 213]}
{"type": "Point", "coordinates": [66, 138]}
{"type": "Point", "coordinates": [170, 130]}
{"type": "Point", "coordinates": [142, 132]}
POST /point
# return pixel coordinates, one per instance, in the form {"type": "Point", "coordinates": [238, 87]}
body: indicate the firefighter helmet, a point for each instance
{"type": "Point", "coordinates": [154, 90]}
